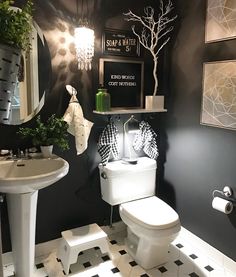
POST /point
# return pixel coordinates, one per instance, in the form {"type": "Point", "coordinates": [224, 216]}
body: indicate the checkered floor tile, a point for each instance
{"type": "Point", "coordinates": [183, 262]}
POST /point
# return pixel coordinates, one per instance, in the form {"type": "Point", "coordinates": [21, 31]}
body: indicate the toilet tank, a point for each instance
{"type": "Point", "coordinates": [122, 182]}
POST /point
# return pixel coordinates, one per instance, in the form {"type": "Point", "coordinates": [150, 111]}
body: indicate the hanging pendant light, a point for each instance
{"type": "Point", "coordinates": [84, 42]}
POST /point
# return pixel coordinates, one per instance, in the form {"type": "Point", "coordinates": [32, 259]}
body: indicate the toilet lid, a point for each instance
{"type": "Point", "coordinates": [150, 212]}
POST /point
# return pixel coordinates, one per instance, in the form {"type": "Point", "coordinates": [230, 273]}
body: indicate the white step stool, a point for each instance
{"type": "Point", "coordinates": [76, 240]}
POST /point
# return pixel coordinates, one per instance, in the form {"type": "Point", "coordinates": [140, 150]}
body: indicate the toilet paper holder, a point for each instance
{"type": "Point", "coordinates": [227, 194]}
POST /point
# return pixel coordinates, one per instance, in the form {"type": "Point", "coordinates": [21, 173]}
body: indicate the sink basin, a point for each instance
{"type": "Point", "coordinates": [21, 180]}
{"type": "Point", "coordinates": [25, 176]}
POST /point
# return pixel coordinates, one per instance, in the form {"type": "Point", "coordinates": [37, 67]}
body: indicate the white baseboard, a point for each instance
{"type": "Point", "coordinates": [208, 250]}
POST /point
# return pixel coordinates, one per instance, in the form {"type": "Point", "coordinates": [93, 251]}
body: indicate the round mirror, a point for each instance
{"type": "Point", "coordinates": [33, 81]}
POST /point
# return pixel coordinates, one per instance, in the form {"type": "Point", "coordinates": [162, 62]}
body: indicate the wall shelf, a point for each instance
{"type": "Point", "coordinates": [130, 111]}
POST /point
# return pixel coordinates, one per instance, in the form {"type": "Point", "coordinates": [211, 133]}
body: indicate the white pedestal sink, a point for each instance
{"type": "Point", "coordinates": [21, 180]}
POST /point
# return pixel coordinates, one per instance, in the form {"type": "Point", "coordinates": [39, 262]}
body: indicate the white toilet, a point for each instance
{"type": "Point", "coordinates": [151, 224]}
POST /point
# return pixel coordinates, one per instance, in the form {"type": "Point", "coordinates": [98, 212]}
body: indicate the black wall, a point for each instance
{"type": "Point", "coordinates": [194, 159]}
{"type": "Point", "coordinates": [199, 158]}
{"type": "Point", "coordinates": [75, 200]}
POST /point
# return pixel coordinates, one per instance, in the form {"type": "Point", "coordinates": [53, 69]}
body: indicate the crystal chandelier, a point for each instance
{"type": "Point", "coordinates": [84, 42]}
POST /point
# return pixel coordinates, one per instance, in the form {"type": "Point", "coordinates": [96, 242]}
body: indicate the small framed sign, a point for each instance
{"type": "Point", "coordinates": [121, 43]}
{"type": "Point", "coordinates": [123, 79]}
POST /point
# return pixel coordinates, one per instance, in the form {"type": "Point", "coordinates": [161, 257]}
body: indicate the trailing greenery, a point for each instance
{"type": "Point", "coordinates": [15, 24]}
{"type": "Point", "coordinates": [52, 132]}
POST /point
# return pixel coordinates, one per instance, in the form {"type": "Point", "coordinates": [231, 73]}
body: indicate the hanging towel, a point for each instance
{"type": "Point", "coordinates": [108, 143]}
{"type": "Point", "coordinates": [78, 125]}
{"type": "Point", "coordinates": [145, 140]}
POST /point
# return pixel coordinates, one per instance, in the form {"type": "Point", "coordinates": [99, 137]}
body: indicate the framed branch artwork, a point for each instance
{"type": "Point", "coordinates": [220, 20]}
{"type": "Point", "coordinates": [154, 34]}
{"type": "Point", "coordinates": [123, 78]}
{"type": "Point", "coordinates": [219, 94]}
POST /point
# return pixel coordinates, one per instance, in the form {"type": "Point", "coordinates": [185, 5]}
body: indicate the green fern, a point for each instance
{"type": "Point", "coordinates": [52, 132]}
{"type": "Point", "coordinates": [16, 25]}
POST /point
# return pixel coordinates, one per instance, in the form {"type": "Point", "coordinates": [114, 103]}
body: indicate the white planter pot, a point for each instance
{"type": "Point", "coordinates": [46, 151]}
{"type": "Point", "coordinates": [154, 102]}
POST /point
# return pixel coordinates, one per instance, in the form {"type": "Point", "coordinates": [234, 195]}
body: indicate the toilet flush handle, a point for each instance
{"type": "Point", "coordinates": [103, 175]}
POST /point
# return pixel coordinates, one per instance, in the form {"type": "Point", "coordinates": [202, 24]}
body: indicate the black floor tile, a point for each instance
{"type": "Point", "coordinates": [209, 268]}
{"type": "Point", "coordinates": [87, 264]}
{"type": "Point", "coordinates": [133, 263]}
{"type": "Point", "coordinates": [122, 252]}
{"type": "Point", "coordinates": [106, 258]}
{"type": "Point", "coordinates": [193, 274]}
{"type": "Point", "coordinates": [38, 266]}
{"type": "Point", "coordinates": [193, 256]}
{"type": "Point", "coordinates": [144, 275]}
{"type": "Point", "coordinates": [113, 241]}
{"type": "Point", "coordinates": [162, 269]}
{"type": "Point", "coordinates": [178, 262]}
{"type": "Point", "coordinates": [115, 270]}
{"type": "Point", "coordinates": [179, 245]}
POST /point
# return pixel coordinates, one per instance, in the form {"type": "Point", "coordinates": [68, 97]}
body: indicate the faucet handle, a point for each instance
{"type": "Point", "coordinates": [4, 152]}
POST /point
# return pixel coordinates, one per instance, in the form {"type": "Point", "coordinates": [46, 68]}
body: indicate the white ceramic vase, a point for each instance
{"type": "Point", "coordinates": [154, 102]}
{"type": "Point", "coordinates": [46, 151]}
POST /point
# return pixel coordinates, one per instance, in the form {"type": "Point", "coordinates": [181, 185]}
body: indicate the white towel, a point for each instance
{"type": "Point", "coordinates": [108, 143]}
{"type": "Point", "coordinates": [79, 126]}
{"type": "Point", "coordinates": [145, 139]}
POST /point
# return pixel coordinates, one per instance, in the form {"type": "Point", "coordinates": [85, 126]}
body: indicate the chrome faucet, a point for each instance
{"type": "Point", "coordinates": [20, 155]}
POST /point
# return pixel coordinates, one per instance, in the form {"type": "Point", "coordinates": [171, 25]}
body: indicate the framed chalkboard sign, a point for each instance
{"type": "Point", "coordinates": [122, 43]}
{"type": "Point", "coordinates": [123, 79]}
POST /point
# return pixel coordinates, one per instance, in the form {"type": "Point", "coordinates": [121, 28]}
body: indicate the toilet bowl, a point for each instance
{"type": "Point", "coordinates": [151, 226]}
{"type": "Point", "coordinates": [151, 223]}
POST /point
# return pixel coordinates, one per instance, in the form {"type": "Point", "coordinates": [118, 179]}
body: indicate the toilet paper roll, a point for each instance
{"type": "Point", "coordinates": [222, 205]}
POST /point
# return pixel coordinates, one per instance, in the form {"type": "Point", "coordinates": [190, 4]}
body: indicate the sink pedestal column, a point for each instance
{"type": "Point", "coordinates": [22, 218]}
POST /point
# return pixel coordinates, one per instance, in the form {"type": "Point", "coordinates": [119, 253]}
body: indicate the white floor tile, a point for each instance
{"type": "Point", "coordinates": [217, 273]}
{"type": "Point", "coordinates": [184, 261]}
{"type": "Point", "coordinates": [136, 271]}
{"type": "Point", "coordinates": [230, 273]}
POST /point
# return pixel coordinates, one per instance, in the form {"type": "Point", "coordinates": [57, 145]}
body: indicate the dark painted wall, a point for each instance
{"type": "Point", "coordinates": [194, 159]}
{"type": "Point", "coordinates": [199, 158]}
{"type": "Point", "coordinates": [75, 200]}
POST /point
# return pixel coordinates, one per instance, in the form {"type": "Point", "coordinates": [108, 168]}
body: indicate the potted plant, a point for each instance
{"type": "Point", "coordinates": [15, 37]}
{"type": "Point", "coordinates": [153, 37]}
{"type": "Point", "coordinates": [46, 134]}
{"type": "Point", "coordinates": [15, 24]}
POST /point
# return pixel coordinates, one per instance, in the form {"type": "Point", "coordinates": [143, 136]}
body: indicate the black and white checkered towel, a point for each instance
{"type": "Point", "coordinates": [145, 140]}
{"type": "Point", "coordinates": [108, 143]}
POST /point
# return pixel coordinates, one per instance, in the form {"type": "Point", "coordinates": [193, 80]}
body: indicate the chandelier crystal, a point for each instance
{"type": "Point", "coordinates": [84, 44]}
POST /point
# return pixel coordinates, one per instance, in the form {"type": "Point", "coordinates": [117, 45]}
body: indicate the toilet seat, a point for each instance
{"type": "Point", "coordinates": [144, 213]}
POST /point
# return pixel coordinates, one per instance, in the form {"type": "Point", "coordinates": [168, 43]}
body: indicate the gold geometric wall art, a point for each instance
{"type": "Point", "coordinates": [220, 20]}
{"type": "Point", "coordinates": [219, 94]}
